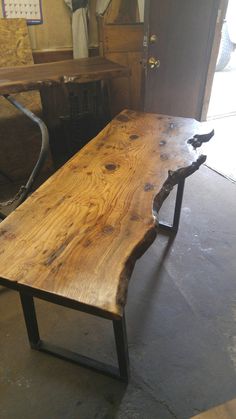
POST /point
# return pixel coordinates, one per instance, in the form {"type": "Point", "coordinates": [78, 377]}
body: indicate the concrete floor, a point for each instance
{"type": "Point", "coordinates": [221, 150]}
{"type": "Point", "coordinates": [222, 116]}
{"type": "Point", "coordinates": [181, 319]}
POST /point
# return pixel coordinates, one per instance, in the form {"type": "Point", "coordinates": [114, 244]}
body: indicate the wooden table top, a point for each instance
{"type": "Point", "coordinates": [224, 411]}
{"type": "Point", "coordinates": [78, 236]}
{"type": "Point", "coordinates": [33, 77]}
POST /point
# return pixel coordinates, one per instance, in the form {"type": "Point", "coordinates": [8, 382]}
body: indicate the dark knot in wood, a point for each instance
{"type": "Point", "coordinates": [164, 156]}
{"type": "Point", "coordinates": [111, 167]}
{"type": "Point", "coordinates": [148, 187]}
{"type": "Point", "coordinates": [108, 229]}
{"type": "Point", "coordinates": [134, 137]}
{"type": "Point", "coordinates": [122, 118]}
{"type": "Point", "coordinates": [162, 143]}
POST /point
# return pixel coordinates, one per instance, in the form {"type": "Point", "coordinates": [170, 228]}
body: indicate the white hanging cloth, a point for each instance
{"type": "Point", "coordinates": [80, 25]}
{"type": "Point", "coordinates": [141, 4]}
{"type": "Point", "coordinates": [79, 31]}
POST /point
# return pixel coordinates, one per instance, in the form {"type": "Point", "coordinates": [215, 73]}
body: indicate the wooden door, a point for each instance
{"type": "Point", "coordinates": [186, 42]}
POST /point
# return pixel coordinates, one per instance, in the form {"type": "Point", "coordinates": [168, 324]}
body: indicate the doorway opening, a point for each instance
{"type": "Point", "coordinates": [222, 107]}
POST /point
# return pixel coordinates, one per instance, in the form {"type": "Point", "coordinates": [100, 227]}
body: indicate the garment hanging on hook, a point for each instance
{"type": "Point", "coordinates": [80, 37]}
{"type": "Point", "coordinates": [79, 27]}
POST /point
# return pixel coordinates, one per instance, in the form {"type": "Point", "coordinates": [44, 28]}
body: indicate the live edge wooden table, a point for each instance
{"type": "Point", "coordinates": [75, 241]}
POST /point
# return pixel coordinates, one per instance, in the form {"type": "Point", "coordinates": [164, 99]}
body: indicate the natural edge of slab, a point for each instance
{"type": "Point", "coordinates": [199, 139]}
{"type": "Point", "coordinates": [174, 177]}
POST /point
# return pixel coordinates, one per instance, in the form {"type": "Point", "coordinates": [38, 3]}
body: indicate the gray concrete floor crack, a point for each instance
{"type": "Point", "coordinates": [148, 388]}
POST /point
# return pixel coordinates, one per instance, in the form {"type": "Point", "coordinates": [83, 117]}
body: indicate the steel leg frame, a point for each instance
{"type": "Point", "coordinates": [178, 205]}
{"type": "Point", "coordinates": [119, 326]}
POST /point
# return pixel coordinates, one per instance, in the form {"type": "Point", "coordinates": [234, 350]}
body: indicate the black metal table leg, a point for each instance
{"type": "Point", "coordinates": [28, 307]}
{"type": "Point", "coordinates": [121, 373]}
{"type": "Point", "coordinates": [178, 204]}
{"type": "Point", "coordinates": [122, 347]}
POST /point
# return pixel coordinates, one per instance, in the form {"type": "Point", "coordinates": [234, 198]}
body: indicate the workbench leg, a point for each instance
{"type": "Point", "coordinates": [178, 204]}
{"type": "Point", "coordinates": [30, 320]}
{"type": "Point", "coordinates": [119, 327]}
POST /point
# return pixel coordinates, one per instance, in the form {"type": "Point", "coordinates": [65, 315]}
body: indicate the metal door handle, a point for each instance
{"type": "Point", "coordinates": [154, 63]}
{"type": "Point", "coordinates": [153, 39]}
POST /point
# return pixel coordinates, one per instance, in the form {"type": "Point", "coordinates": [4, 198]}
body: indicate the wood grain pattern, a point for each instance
{"type": "Point", "coordinates": [79, 235]}
{"type": "Point", "coordinates": [224, 411]}
{"type": "Point", "coordinates": [19, 79]}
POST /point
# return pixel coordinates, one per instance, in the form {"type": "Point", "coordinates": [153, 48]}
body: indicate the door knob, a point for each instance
{"type": "Point", "coordinates": [153, 39]}
{"type": "Point", "coordinates": [154, 62]}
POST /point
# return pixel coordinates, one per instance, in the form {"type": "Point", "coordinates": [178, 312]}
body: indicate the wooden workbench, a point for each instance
{"type": "Point", "coordinates": [56, 81]}
{"type": "Point", "coordinates": [36, 76]}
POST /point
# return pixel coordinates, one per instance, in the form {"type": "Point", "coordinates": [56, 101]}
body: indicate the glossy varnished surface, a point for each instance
{"type": "Point", "coordinates": [79, 235]}
{"type": "Point", "coordinates": [19, 79]}
{"type": "Point", "coordinates": [224, 411]}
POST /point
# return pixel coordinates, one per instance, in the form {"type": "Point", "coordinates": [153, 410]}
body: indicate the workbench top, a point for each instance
{"type": "Point", "coordinates": [33, 77]}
